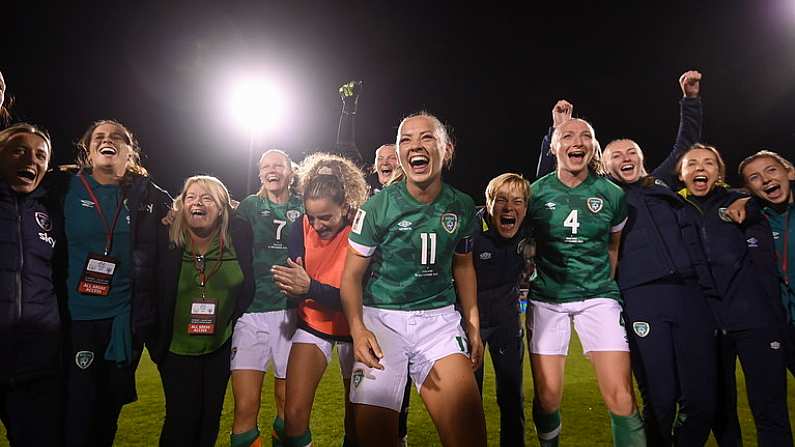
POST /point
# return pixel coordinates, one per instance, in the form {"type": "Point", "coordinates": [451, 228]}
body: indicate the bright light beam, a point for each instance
{"type": "Point", "coordinates": [256, 104]}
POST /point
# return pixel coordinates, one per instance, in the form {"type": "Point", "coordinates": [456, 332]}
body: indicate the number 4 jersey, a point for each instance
{"type": "Point", "coordinates": [412, 246]}
{"type": "Point", "coordinates": [572, 228]}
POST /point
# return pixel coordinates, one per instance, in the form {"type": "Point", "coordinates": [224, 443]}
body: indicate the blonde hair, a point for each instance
{"type": "Point", "coordinates": [389, 145]}
{"type": "Point", "coordinates": [606, 155]}
{"type": "Point", "coordinates": [514, 181]}
{"type": "Point", "coordinates": [764, 153]}
{"type": "Point", "coordinates": [24, 128]}
{"type": "Point", "coordinates": [177, 233]}
{"type": "Point", "coordinates": [706, 147]}
{"type": "Point", "coordinates": [84, 144]}
{"type": "Point", "coordinates": [333, 177]}
{"type": "Point", "coordinates": [290, 169]}
{"type": "Point", "coordinates": [444, 141]}
{"type": "Point", "coordinates": [595, 164]}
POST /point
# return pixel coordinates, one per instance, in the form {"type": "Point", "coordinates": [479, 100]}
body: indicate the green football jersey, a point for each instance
{"type": "Point", "coordinates": [270, 223]}
{"type": "Point", "coordinates": [412, 246]}
{"type": "Point", "coordinates": [572, 228]}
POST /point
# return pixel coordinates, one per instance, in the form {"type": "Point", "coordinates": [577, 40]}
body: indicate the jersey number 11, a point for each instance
{"type": "Point", "coordinates": [428, 250]}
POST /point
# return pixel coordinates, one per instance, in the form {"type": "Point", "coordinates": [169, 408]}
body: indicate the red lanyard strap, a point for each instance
{"type": "Point", "coordinates": [108, 228]}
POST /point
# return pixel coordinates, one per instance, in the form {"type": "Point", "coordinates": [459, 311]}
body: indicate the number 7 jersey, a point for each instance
{"type": "Point", "coordinates": [572, 228]}
{"type": "Point", "coordinates": [412, 246]}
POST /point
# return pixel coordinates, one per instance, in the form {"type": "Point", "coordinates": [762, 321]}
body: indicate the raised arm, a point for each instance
{"type": "Point", "coordinates": [561, 112]}
{"type": "Point", "coordinates": [346, 132]}
{"type": "Point", "coordinates": [690, 123]}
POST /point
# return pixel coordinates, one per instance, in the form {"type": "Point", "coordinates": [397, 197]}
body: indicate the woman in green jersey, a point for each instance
{"type": "Point", "coordinates": [262, 335]}
{"type": "Point", "coordinates": [414, 238]}
{"type": "Point", "coordinates": [577, 217]}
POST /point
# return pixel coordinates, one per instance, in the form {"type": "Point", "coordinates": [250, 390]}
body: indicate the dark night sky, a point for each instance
{"type": "Point", "coordinates": [492, 72]}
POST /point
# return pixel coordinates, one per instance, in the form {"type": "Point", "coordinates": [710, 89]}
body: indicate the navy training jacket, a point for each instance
{"type": "Point", "coordinates": [30, 322]}
{"type": "Point", "coordinates": [498, 264]}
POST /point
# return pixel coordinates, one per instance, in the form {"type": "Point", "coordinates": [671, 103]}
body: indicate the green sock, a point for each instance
{"type": "Point", "coordinates": [628, 430]}
{"type": "Point", "coordinates": [277, 435]}
{"type": "Point", "coordinates": [547, 426]}
{"type": "Point", "coordinates": [244, 439]}
{"type": "Point", "coordinates": [299, 441]}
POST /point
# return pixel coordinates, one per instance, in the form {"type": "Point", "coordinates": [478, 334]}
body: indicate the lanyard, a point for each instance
{"type": "Point", "coordinates": [108, 228]}
{"type": "Point", "coordinates": [200, 264]}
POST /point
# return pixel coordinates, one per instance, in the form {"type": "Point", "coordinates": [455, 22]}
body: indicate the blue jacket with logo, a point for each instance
{"type": "Point", "coordinates": [30, 323]}
{"type": "Point", "coordinates": [741, 262]}
{"type": "Point", "coordinates": [498, 264]}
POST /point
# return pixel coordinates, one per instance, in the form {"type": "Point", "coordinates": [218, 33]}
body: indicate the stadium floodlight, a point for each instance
{"type": "Point", "coordinates": [255, 104]}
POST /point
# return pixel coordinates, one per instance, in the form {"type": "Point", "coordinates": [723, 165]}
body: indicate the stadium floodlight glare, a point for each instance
{"type": "Point", "coordinates": [257, 105]}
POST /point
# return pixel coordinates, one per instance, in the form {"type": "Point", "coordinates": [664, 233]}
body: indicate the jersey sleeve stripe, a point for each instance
{"type": "Point", "coordinates": [619, 227]}
{"type": "Point", "coordinates": [363, 250]}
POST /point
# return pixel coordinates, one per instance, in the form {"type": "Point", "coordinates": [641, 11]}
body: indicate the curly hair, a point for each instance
{"type": "Point", "coordinates": [334, 177]}
{"type": "Point", "coordinates": [83, 145]}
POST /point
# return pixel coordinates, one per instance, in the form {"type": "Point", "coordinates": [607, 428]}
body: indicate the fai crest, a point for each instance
{"type": "Point", "coordinates": [595, 204]}
{"type": "Point", "coordinates": [292, 215]}
{"type": "Point", "coordinates": [84, 359]}
{"type": "Point", "coordinates": [357, 377]}
{"type": "Point", "coordinates": [43, 220]}
{"type": "Point", "coordinates": [641, 328]}
{"type": "Point", "coordinates": [449, 222]}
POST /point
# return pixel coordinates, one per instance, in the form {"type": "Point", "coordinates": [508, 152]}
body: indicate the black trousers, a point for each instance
{"type": "Point", "coordinates": [671, 334]}
{"type": "Point", "coordinates": [96, 388]}
{"type": "Point", "coordinates": [31, 412]}
{"type": "Point", "coordinates": [506, 346]}
{"type": "Point", "coordinates": [194, 387]}
{"type": "Point", "coordinates": [762, 357]}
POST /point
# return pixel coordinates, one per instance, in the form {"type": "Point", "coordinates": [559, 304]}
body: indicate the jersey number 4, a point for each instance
{"type": "Point", "coordinates": [571, 222]}
{"type": "Point", "coordinates": [428, 250]}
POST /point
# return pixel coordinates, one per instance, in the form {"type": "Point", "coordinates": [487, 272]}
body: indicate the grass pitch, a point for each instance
{"type": "Point", "coordinates": [585, 420]}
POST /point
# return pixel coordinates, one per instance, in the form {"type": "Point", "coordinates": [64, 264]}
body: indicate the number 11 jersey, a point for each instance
{"type": "Point", "coordinates": [572, 228]}
{"type": "Point", "coordinates": [412, 246]}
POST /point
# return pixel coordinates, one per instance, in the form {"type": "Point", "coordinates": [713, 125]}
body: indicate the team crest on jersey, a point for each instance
{"type": "Point", "coordinates": [450, 222]}
{"type": "Point", "coordinates": [641, 328]}
{"type": "Point", "coordinates": [292, 215]}
{"type": "Point", "coordinates": [43, 220]}
{"type": "Point", "coordinates": [357, 377]}
{"type": "Point", "coordinates": [723, 214]}
{"type": "Point", "coordinates": [84, 359]}
{"type": "Point", "coordinates": [595, 204]}
{"type": "Point", "coordinates": [358, 221]}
